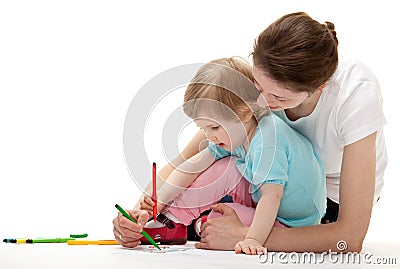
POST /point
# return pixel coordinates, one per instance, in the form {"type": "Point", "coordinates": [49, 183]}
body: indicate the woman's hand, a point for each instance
{"type": "Point", "coordinates": [128, 233]}
{"type": "Point", "coordinates": [224, 232]}
{"type": "Point", "coordinates": [249, 246]}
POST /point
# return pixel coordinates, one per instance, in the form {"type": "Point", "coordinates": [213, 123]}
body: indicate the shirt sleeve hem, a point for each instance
{"type": "Point", "coordinates": [364, 132]}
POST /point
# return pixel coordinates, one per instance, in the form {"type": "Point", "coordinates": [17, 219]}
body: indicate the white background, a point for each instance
{"type": "Point", "coordinates": [69, 70]}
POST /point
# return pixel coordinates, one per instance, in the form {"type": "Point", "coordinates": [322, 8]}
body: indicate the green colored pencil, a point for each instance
{"type": "Point", "coordinates": [49, 240]}
{"type": "Point", "coordinates": [126, 215]}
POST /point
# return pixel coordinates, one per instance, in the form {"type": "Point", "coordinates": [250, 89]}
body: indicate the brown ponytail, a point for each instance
{"type": "Point", "coordinates": [331, 29]}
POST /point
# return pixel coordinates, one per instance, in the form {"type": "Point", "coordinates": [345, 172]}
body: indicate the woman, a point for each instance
{"type": "Point", "coordinates": [338, 108]}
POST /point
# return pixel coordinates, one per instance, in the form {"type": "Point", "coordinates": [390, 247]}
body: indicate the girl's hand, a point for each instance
{"type": "Point", "coordinates": [146, 203]}
{"type": "Point", "coordinates": [128, 233]}
{"type": "Point", "coordinates": [249, 246]}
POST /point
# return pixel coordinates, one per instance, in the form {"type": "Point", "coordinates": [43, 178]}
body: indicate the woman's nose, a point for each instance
{"type": "Point", "coordinates": [262, 101]}
{"type": "Point", "coordinates": [270, 99]}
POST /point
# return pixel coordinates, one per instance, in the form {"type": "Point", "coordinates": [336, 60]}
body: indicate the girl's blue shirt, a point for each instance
{"type": "Point", "coordinates": [280, 155]}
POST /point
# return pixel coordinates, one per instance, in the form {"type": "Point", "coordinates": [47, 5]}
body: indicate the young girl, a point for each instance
{"type": "Point", "coordinates": [270, 164]}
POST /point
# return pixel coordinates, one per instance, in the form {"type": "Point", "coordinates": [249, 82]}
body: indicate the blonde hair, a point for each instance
{"type": "Point", "coordinates": [224, 88]}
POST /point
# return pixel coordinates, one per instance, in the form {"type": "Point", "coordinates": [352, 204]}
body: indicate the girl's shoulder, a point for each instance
{"type": "Point", "coordinates": [271, 132]}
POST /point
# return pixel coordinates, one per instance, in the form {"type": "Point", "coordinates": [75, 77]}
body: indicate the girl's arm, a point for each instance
{"type": "Point", "coordinates": [357, 186]}
{"type": "Point", "coordinates": [195, 145]}
{"type": "Point", "coordinates": [183, 176]}
{"type": "Point", "coordinates": [263, 221]}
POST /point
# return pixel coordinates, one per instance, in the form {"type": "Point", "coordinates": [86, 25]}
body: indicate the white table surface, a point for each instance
{"type": "Point", "coordinates": [93, 256]}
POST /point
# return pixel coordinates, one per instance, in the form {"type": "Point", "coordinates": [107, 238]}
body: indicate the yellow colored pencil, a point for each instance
{"type": "Point", "coordinates": [92, 242]}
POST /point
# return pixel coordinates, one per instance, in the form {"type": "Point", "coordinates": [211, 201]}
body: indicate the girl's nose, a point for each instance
{"type": "Point", "coordinates": [210, 137]}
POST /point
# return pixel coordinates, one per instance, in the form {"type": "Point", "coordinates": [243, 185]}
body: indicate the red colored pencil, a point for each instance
{"type": "Point", "coordinates": [154, 195]}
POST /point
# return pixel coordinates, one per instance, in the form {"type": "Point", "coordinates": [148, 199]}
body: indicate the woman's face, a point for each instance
{"type": "Point", "coordinates": [273, 95]}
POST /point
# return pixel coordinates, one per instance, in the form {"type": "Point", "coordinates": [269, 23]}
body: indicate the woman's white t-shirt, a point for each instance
{"type": "Point", "coordinates": [349, 109]}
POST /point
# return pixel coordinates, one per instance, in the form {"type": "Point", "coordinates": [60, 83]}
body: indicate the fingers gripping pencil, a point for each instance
{"type": "Point", "coordinates": [126, 215]}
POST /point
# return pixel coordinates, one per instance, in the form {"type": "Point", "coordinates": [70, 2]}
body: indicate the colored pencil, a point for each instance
{"type": "Point", "coordinates": [154, 194]}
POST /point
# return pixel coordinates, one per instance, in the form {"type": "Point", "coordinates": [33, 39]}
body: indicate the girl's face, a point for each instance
{"type": "Point", "coordinates": [225, 134]}
{"type": "Point", "coordinates": [273, 95]}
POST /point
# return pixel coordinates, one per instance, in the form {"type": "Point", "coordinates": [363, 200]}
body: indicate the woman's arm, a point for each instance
{"type": "Point", "coordinates": [195, 145]}
{"type": "Point", "coordinates": [263, 221]}
{"type": "Point", "coordinates": [357, 186]}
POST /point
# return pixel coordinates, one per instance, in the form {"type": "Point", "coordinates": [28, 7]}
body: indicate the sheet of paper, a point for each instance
{"type": "Point", "coordinates": [187, 249]}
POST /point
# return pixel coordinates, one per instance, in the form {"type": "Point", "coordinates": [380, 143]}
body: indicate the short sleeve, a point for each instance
{"type": "Point", "coordinates": [218, 152]}
{"type": "Point", "coordinates": [360, 113]}
{"type": "Point", "coordinates": [270, 165]}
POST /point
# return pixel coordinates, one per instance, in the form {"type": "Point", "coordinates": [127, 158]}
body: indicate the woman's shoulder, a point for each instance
{"type": "Point", "coordinates": [353, 101]}
{"type": "Point", "coordinates": [352, 80]}
{"type": "Point", "coordinates": [353, 71]}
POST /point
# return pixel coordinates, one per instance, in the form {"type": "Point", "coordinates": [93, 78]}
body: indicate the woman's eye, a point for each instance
{"type": "Point", "coordinates": [280, 99]}
{"type": "Point", "coordinates": [215, 127]}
